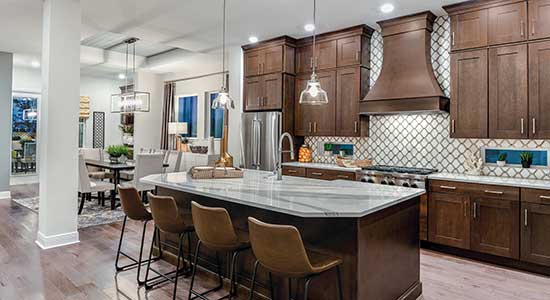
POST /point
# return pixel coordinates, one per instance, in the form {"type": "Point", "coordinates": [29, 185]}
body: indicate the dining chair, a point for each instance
{"type": "Point", "coordinates": [94, 154]}
{"type": "Point", "coordinates": [147, 164]}
{"type": "Point", "coordinates": [173, 160]}
{"type": "Point", "coordinates": [86, 186]}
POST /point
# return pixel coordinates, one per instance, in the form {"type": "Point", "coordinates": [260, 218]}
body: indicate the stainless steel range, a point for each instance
{"type": "Point", "coordinates": [393, 175]}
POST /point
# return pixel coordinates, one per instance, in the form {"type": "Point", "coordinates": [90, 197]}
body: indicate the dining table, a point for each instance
{"type": "Point", "coordinates": [115, 168]}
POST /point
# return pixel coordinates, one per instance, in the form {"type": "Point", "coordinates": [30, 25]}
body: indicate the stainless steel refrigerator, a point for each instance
{"type": "Point", "coordinates": [259, 138]}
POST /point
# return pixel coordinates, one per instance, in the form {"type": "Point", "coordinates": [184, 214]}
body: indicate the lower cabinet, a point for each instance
{"type": "Point", "coordinates": [535, 224]}
{"type": "Point", "coordinates": [449, 219]}
{"type": "Point", "coordinates": [318, 173]}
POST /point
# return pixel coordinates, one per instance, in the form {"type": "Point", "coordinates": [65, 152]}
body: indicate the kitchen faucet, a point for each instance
{"type": "Point", "coordinates": [279, 163]}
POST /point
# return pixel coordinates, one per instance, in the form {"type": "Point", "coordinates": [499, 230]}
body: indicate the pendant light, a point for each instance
{"type": "Point", "coordinates": [130, 100]}
{"type": "Point", "coordinates": [223, 100]}
{"type": "Point", "coordinates": [314, 94]}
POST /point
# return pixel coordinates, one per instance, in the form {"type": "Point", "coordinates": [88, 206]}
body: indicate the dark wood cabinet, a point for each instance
{"type": "Point", "coordinates": [348, 89]}
{"type": "Point", "coordinates": [316, 120]}
{"type": "Point", "coordinates": [349, 51]}
{"type": "Point", "coordinates": [324, 58]}
{"type": "Point", "coordinates": [508, 92]}
{"type": "Point", "coordinates": [272, 56]}
{"type": "Point", "coordinates": [469, 30]}
{"type": "Point", "coordinates": [253, 93]}
{"type": "Point", "coordinates": [535, 221]}
{"type": "Point", "coordinates": [469, 84]}
{"type": "Point", "coordinates": [539, 19]}
{"type": "Point", "coordinates": [304, 59]}
{"type": "Point", "coordinates": [316, 173]}
{"type": "Point", "coordinates": [294, 171]}
{"type": "Point", "coordinates": [252, 62]}
{"type": "Point", "coordinates": [508, 23]}
{"type": "Point", "coordinates": [272, 60]}
{"type": "Point", "coordinates": [449, 219]}
{"type": "Point", "coordinates": [303, 119]}
{"type": "Point", "coordinates": [539, 90]}
{"type": "Point", "coordinates": [495, 225]}
{"type": "Point", "coordinates": [272, 91]}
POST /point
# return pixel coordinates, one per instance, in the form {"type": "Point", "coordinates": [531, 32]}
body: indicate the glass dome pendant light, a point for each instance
{"type": "Point", "coordinates": [314, 94]}
{"type": "Point", "coordinates": [223, 100]}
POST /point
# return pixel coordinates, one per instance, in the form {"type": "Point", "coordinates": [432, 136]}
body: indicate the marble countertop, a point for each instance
{"type": "Point", "coordinates": [302, 197]}
{"type": "Point", "coordinates": [320, 166]}
{"type": "Point", "coordinates": [506, 181]}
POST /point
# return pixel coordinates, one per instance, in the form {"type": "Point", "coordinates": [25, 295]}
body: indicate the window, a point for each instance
{"type": "Point", "coordinates": [187, 112]}
{"type": "Point", "coordinates": [24, 126]}
{"type": "Point", "coordinates": [216, 119]}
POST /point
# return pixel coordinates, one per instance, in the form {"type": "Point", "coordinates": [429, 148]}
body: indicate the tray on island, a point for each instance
{"type": "Point", "coordinates": [207, 172]}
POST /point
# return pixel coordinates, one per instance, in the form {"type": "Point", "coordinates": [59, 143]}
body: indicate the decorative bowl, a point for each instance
{"type": "Point", "coordinates": [199, 149]}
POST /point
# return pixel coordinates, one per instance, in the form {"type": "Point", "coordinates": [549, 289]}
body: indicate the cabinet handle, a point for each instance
{"type": "Point", "coordinates": [522, 29]}
{"type": "Point", "coordinates": [453, 38]}
{"type": "Point", "coordinates": [544, 197]}
{"type": "Point", "coordinates": [533, 29]}
{"type": "Point", "coordinates": [453, 126]}
{"type": "Point", "coordinates": [357, 55]}
{"type": "Point", "coordinates": [310, 127]}
{"type": "Point", "coordinates": [522, 126]}
{"type": "Point", "coordinates": [475, 210]}
{"type": "Point", "coordinates": [343, 176]}
{"type": "Point", "coordinates": [465, 209]}
{"type": "Point", "coordinates": [356, 126]}
{"type": "Point", "coordinates": [315, 127]}
{"type": "Point", "coordinates": [525, 214]}
{"type": "Point", "coordinates": [292, 171]}
{"type": "Point", "coordinates": [494, 192]}
{"type": "Point", "coordinates": [446, 187]}
{"type": "Point", "coordinates": [534, 125]}
{"type": "Point", "coordinates": [316, 62]}
{"type": "Point", "coordinates": [316, 174]}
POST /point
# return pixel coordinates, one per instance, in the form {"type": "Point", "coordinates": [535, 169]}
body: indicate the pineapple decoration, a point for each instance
{"type": "Point", "coordinates": [304, 154]}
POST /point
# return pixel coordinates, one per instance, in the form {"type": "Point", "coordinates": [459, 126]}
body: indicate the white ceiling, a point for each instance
{"type": "Point", "coordinates": [195, 25]}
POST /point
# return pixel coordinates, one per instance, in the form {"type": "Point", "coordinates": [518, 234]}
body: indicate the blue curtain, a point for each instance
{"type": "Point", "coordinates": [187, 112]}
{"type": "Point", "coordinates": [216, 119]}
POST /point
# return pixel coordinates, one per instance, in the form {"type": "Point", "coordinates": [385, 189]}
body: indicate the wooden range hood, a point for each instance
{"type": "Point", "coordinates": [406, 83]}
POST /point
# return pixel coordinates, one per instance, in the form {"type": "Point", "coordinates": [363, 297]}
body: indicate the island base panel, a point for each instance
{"type": "Point", "coordinates": [380, 251]}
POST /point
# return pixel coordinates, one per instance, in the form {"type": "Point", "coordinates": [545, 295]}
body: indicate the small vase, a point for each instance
{"type": "Point", "coordinates": [501, 163]}
{"type": "Point", "coordinates": [526, 163]}
{"type": "Point", "coordinates": [114, 160]}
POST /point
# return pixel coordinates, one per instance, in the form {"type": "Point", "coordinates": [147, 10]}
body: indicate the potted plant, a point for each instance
{"type": "Point", "coordinates": [116, 151]}
{"type": "Point", "coordinates": [501, 161]}
{"type": "Point", "coordinates": [127, 134]}
{"type": "Point", "coordinates": [328, 149]}
{"type": "Point", "coordinates": [526, 159]}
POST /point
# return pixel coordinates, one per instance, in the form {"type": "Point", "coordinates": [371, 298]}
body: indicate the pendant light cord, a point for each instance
{"type": "Point", "coordinates": [314, 33]}
{"type": "Point", "coordinates": [126, 70]}
{"type": "Point", "coordinates": [223, 50]}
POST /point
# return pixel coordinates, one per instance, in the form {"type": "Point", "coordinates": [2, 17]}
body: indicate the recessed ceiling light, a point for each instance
{"type": "Point", "coordinates": [253, 39]}
{"type": "Point", "coordinates": [121, 76]}
{"type": "Point", "coordinates": [35, 64]}
{"type": "Point", "coordinates": [386, 8]}
{"type": "Point", "coordinates": [309, 27]}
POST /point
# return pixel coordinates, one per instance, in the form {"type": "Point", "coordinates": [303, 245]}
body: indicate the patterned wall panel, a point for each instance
{"type": "Point", "coordinates": [376, 46]}
{"type": "Point", "coordinates": [423, 140]}
{"type": "Point", "coordinates": [98, 135]}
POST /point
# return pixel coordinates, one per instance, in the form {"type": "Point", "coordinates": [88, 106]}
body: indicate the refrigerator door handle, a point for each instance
{"type": "Point", "coordinates": [274, 137]}
{"type": "Point", "coordinates": [258, 144]}
{"type": "Point", "coordinates": [254, 143]}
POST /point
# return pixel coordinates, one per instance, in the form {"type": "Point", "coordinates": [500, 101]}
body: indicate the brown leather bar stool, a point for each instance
{"type": "Point", "coordinates": [215, 231]}
{"type": "Point", "coordinates": [280, 249]}
{"type": "Point", "coordinates": [133, 208]}
{"type": "Point", "coordinates": [169, 218]}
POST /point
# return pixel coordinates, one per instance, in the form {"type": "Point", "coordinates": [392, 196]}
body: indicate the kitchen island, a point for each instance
{"type": "Point", "coordinates": [373, 228]}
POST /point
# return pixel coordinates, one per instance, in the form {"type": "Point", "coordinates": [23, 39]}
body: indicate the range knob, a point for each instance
{"type": "Point", "coordinates": [384, 181]}
{"type": "Point", "coordinates": [370, 180]}
{"type": "Point", "coordinates": [406, 184]}
{"type": "Point", "coordinates": [414, 185]}
{"type": "Point", "coordinates": [391, 182]}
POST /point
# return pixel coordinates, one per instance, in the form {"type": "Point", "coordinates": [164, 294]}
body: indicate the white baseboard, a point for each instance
{"type": "Point", "coordinates": [5, 195]}
{"type": "Point", "coordinates": [58, 240]}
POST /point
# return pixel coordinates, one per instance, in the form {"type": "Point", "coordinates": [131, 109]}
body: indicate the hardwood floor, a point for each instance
{"type": "Point", "coordinates": [86, 270]}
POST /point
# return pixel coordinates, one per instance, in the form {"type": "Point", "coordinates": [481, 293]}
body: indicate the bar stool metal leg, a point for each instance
{"type": "Point", "coordinates": [192, 294]}
{"type": "Point", "coordinates": [339, 277]}
{"type": "Point", "coordinates": [253, 279]}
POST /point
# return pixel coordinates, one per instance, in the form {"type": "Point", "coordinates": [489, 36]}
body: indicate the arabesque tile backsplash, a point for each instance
{"type": "Point", "coordinates": [423, 140]}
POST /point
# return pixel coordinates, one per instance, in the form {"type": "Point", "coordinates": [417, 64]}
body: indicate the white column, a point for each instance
{"type": "Point", "coordinates": [58, 123]}
{"type": "Point", "coordinates": [6, 71]}
{"type": "Point", "coordinates": [147, 125]}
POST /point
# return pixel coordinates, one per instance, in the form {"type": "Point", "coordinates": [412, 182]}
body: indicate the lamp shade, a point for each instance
{"type": "Point", "coordinates": [313, 94]}
{"type": "Point", "coordinates": [130, 102]}
{"type": "Point", "coordinates": [223, 101]}
{"type": "Point", "coordinates": [177, 128]}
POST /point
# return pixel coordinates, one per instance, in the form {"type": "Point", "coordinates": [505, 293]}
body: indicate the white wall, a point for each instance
{"type": "Point", "coordinates": [147, 125]}
{"type": "Point", "coordinates": [6, 64]}
{"type": "Point", "coordinates": [98, 89]}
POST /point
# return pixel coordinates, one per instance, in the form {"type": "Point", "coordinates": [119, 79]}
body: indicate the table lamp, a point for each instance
{"type": "Point", "coordinates": [177, 128]}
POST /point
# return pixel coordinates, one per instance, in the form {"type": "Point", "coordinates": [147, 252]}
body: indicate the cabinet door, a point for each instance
{"type": "Point", "coordinates": [539, 90]}
{"type": "Point", "coordinates": [252, 62]}
{"type": "Point", "coordinates": [469, 30]}
{"type": "Point", "coordinates": [349, 51]}
{"type": "Point", "coordinates": [272, 60]}
{"type": "Point", "coordinates": [539, 19]}
{"type": "Point", "coordinates": [495, 226]}
{"type": "Point", "coordinates": [449, 219]}
{"type": "Point", "coordinates": [508, 23]}
{"type": "Point", "coordinates": [469, 93]}
{"type": "Point", "coordinates": [535, 244]}
{"type": "Point", "coordinates": [253, 93]}
{"type": "Point", "coordinates": [272, 91]}
{"type": "Point", "coordinates": [508, 104]}
{"type": "Point", "coordinates": [303, 124]}
{"type": "Point", "coordinates": [304, 59]}
{"type": "Point", "coordinates": [324, 116]}
{"type": "Point", "coordinates": [348, 82]}
{"type": "Point", "coordinates": [326, 55]}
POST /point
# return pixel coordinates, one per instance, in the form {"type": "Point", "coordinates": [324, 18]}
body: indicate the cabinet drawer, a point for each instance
{"type": "Point", "coordinates": [338, 175]}
{"type": "Point", "coordinates": [294, 171]}
{"type": "Point", "coordinates": [535, 196]}
{"type": "Point", "coordinates": [484, 190]}
{"type": "Point", "coordinates": [319, 174]}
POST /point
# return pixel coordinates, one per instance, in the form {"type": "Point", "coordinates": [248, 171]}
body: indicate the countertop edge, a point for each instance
{"type": "Point", "coordinates": [323, 166]}
{"type": "Point", "coordinates": [493, 180]}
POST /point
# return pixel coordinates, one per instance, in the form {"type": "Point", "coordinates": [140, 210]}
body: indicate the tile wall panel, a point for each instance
{"type": "Point", "coordinates": [423, 140]}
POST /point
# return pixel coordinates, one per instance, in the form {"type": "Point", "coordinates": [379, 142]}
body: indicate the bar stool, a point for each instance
{"type": "Point", "coordinates": [215, 230]}
{"type": "Point", "coordinates": [169, 218]}
{"type": "Point", "coordinates": [133, 208]}
{"type": "Point", "coordinates": [280, 249]}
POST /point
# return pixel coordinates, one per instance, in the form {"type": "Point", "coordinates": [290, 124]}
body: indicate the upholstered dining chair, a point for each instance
{"type": "Point", "coordinates": [173, 160]}
{"type": "Point", "coordinates": [147, 164]}
{"type": "Point", "coordinates": [95, 154]}
{"type": "Point", "coordinates": [86, 186]}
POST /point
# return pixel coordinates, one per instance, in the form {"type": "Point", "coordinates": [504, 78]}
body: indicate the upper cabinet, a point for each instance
{"type": "Point", "coordinates": [508, 23]}
{"type": "Point", "coordinates": [324, 58]}
{"type": "Point", "coordinates": [469, 30]}
{"type": "Point", "coordinates": [539, 90]}
{"type": "Point", "coordinates": [539, 19]}
{"type": "Point", "coordinates": [273, 56]}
